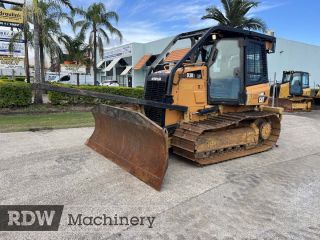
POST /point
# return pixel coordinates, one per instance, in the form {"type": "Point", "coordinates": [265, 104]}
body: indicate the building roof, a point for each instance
{"type": "Point", "coordinates": [100, 63]}
{"type": "Point", "coordinates": [111, 65]}
{"type": "Point", "coordinates": [142, 62]}
{"type": "Point", "coordinates": [176, 55]}
{"type": "Point", "coordinates": [126, 71]}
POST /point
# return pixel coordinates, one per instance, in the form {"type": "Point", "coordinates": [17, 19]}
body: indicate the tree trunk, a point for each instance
{"type": "Point", "coordinates": [78, 79]}
{"type": "Point", "coordinates": [26, 58]}
{"type": "Point", "coordinates": [95, 55]}
{"type": "Point", "coordinates": [52, 67]}
{"type": "Point", "coordinates": [38, 93]}
{"type": "Point", "coordinates": [42, 62]}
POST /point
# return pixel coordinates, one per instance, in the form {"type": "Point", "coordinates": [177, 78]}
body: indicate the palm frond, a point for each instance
{"type": "Point", "coordinates": [78, 11]}
{"type": "Point", "coordinates": [113, 30]}
{"type": "Point", "coordinates": [216, 14]}
{"type": "Point", "coordinates": [111, 16]}
{"type": "Point", "coordinates": [104, 35]}
{"type": "Point", "coordinates": [100, 46]}
{"type": "Point", "coordinates": [78, 24]}
{"type": "Point", "coordinates": [17, 36]}
{"type": "Point", "coordinates": [85, 28]}
{"type": "Point", "coordinates": [234, 14]}
{"type": "Point", "coordinates": [255, 24]}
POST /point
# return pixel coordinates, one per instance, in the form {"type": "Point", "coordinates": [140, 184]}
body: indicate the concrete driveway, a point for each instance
{"type": "Point", "coordinates": [273, 195]}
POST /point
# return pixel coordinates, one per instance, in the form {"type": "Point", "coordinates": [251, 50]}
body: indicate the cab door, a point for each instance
{"type": "Point", "coordinates": [225, 85]}
{"type": "Point", "coordinates": [296, 85]}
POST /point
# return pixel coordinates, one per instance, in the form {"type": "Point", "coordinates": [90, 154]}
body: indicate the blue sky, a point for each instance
{"type": "Point", "coordinates": [147, 20]}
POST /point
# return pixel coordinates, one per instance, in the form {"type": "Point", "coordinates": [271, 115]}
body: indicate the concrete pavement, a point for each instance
{"type": "Point", "coordinates": [273, 195]}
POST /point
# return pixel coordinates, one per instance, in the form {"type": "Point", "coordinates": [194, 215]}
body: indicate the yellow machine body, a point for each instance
{"type": "Point", "coordinates": [224, 94]}
{"type": "Point", "coordinates": [316, 98]}
{"type": "Point", "coordinates": [284, 91]}
{"type": "Point", "coordinates": [193, 92]}
{"type": "Point", "coordinates": [294, 93]}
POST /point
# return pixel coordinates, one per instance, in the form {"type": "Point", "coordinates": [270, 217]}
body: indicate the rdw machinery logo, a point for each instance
{"type": "Point", "coordinates": [30, 217]}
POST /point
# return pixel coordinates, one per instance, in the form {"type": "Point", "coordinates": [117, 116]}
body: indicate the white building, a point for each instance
{"type": "Point", "coordinates": [128, 64]}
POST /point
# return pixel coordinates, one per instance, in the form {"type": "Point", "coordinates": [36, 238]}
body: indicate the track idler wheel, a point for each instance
{"type": "Point", "coordinates": [265, 128]}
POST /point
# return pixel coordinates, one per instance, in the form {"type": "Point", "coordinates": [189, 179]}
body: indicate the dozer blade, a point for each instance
{"type": "Point", "coordinates": [293, 105]}
{"type": "Point", "coordinates": [132, 141]}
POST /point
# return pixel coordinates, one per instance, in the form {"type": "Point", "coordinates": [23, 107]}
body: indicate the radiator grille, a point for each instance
{"type": "Point", "coordinates": [155, 91]}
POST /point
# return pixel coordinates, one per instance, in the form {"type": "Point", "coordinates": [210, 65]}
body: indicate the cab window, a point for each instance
{"type": "Point", "coordinates": [256, 64]}
{"type": "Point", "coordinates": [286, 77]}
{"type": "Point", "coordinates": [305, 80]}
{"type": "Point", "coordinates": [204, 53]}
{"type": "Point", "coordinates": [225, 72]}
{"type": "Point", "coordinates": [296, 79]}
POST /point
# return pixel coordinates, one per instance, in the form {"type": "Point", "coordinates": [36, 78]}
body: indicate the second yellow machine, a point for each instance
{"type": "Point", "coordinates": [209, 105]}
{"type": "Point", "coordinates": [294, 92]}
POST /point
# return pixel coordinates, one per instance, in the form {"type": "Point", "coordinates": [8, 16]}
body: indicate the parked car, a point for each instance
{"type": "Point", "coordinates": [110, 83]}
{"type": "Point", "coordinates": [70, 79]}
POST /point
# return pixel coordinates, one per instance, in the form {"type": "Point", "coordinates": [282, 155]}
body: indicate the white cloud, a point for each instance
{"type": "Point", "coordinates": [183, 11]}
{"type": "Point", "coordinates": [113, 4]}
{"type": "Point", "coordinates": [181, 16]}
{"type": "Point", "coordinates": [189, 13]}
{"type": "Point", "coordinates": [142, 31]}
{"type": "Point", "coordinates": [110, 4]}
{"type": "Point", "coordinates": [204, 24]}
{"type": "Point", "coordinates": [141, 6]}
{"type": "Point", "coordinates": [265, 6]}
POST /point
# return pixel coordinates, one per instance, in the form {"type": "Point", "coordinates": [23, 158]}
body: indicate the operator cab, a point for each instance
{"type": "Point", "coordinates": [228, 60]}
{"type": "Point", "coordinates": [297, 81]}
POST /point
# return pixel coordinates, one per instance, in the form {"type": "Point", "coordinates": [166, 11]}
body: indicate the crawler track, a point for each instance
{"type": "Point", "coordinates": [186, 137]}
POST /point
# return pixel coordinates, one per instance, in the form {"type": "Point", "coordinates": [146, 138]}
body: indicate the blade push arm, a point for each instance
{"type": "Point", "coordinates": [108, 96]}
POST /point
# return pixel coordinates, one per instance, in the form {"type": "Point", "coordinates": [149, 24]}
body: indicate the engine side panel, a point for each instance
{"type": "Point", "coordinates": [258, 95]}
{"type": "Point", "coordinates": [189, 89]}
{"type": "Point", "coordinates": [284, 90]}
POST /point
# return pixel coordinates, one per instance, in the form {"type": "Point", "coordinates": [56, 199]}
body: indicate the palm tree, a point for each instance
{"type": "Point", "coordinates": [36, 39]}
{"type": "Point", "coordinates": [235, 14]}
{"type": "Point", "coordinates": [97, 21]}
{"type": "Point", "coordinates": [77, 51]}
{"type": "Point", "coordinates": [51, 16]}
{"type": "Point", "coordinates": [36, 11]}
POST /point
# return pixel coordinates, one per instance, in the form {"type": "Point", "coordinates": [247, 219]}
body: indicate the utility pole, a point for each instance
{"type": "Point", "coordinates": [274, 88]}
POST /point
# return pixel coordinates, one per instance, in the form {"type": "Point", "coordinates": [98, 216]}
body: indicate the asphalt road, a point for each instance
{"type": "Point", "coordinates": [273, 195]}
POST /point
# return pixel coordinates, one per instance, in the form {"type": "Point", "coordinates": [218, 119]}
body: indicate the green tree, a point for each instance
{"type": "Point", "coordinates": [78, 51]}
{"type": "Point", "coordinates": [49, 15]}
{"type": "Point", "coordinates": [49, 30]}
{"type": "Point", "coordinates": [235, 14]}
{"type": "Point", "coordinates": [98, 23]}
{"type": "Point", "coordinates": [37, 38]}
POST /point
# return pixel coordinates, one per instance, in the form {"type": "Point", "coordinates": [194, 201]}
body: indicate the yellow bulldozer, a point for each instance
{"type": "Point", "coordinates": [317, 97]}
{"type": "Point", "coordinates": [294, 92]}
{"type": "Point", "coordinates": [209, 106]}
